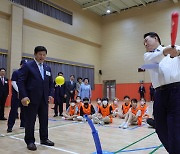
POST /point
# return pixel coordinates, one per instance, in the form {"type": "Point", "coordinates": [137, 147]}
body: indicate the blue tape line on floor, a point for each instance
{"type": "Point", "coordinates": [139, 149]}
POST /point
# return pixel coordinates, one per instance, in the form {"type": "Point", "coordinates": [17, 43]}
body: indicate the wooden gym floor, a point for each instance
{"type": "Point", "coordinates": [76, 138]}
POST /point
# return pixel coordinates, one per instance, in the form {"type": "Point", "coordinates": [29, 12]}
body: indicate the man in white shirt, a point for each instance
{"type": "Point", "coordinates": [164, 64]}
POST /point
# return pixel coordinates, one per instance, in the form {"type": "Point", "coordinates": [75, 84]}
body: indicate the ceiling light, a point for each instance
{"type": "Point", "coordinates": [108, 8]}
{"type": "Point", "coordinates": [108, 11]}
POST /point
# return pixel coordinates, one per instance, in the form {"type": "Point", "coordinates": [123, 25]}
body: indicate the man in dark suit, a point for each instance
{"type": "Point", "coordinates": [36, 89]}
{"type": "Point", "coordinates": [4, 91]}
{"type": "Point", "coordinates": [59, 94]}
{"type": "Point", "coordinates": [15, 101]}
{"type": "Point", "coordinates": [141, 90]}
{"type": "Point", "coordinates": [70, 90]}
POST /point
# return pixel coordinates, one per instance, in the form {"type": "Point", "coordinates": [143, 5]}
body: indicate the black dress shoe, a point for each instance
{"type": "Point", "coordinates": [9, 130]}
{"type": "Point", "coordinates": [47, 142]}
{"type": "Point", "coordinates": [3, 118]}
{"type": "Point", "coordinates": [31, 146]}
{"type": "Point", "coordinates": [55, 115]}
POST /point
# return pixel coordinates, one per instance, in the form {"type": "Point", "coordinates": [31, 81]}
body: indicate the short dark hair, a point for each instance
{"type": "Point", "coordinates": [85, 79]}
{"type": "Point", "coordinates": [39, 49]}
{"type": "Point", "coordinates": [126, 97]}
{"type": "Point", "coordinates": [153, 34]}
{"type": "Point", "coordinates": [134, 100]}
{"type": "Point", "coordinates": [98, 99]}
{"type": "Point", "coordinates": [2, 68]}
{"type": "Point", "coordinates": [79, 78]}
{"type": "Point", "coordinates": [85, 99]}
{"type": "Point", "coordinates": [60, 73]}
{"type": "Point", "coordinates": [78, 96]}
{"type": "Point", "coordinates": [72, 75]}
{"type": "Point", "coordinates": [105, 99]}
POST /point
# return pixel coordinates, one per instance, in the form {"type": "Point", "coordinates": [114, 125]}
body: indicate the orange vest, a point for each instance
{"type": "Point", "coordinates": [79, 106]}
{"type": "Point", "coordinates": [98, 107]}
{"type": "Point", "coordinates": [125, 108]}
{"type": "Point", "coordinates": [71, 111]}
{"type": "Point", "coordinates": [114, 106]}
{"type": "Point", "coordinates": [87, 110]}
{"type": "Point", "coordinates": [134, 111]}
{"type": "Point", "coordinates": [106, 112]}
{"type": "Point", "coordinates": [143, 109]}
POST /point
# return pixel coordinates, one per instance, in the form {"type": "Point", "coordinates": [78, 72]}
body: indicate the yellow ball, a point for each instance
{"type": "Point", "coordinates": [59, 80]}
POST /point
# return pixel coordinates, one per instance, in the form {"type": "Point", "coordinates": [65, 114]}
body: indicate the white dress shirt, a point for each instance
{"type": "Point", "coordinates": [168, 70]}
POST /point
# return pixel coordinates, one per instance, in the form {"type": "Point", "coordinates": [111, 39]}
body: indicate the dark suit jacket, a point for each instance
{"type": "Point", "coordinates": [4, 89]}
{"type": "Point", "coordinates": [31, 84]}
{"type": "Point", "coordinates": [151, 90]}
{"type": "Point", "coordinates": [59, 92]}
{"type": "Point", "coordinates": [142, 89]}
{"type": "Point", "coordinates": [70, 87]}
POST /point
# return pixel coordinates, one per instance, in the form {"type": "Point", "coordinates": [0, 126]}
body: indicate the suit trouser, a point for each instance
{"type": "Point", "coordinates": [141, 95]}
{"type": "Point", "coordinates": [152, 96]}
{"type": "Point", "coordinates": [70, 96]}
{"type": "Point", "coordinates": [31, 112]}
{"type": "Point", "coordinates": [59, 106]}
{"type": "Point", "coordinates": [167, 118]}
{"type": "Point", "coordinates": [151, 122]}
{"type": "Point", "coordinates": [15, 104]}
{"type": "Point", "coordinates": [2, 105]}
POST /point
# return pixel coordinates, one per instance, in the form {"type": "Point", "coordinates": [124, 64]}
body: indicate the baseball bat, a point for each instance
{"type": "Point", "coordinates": [174, 26]}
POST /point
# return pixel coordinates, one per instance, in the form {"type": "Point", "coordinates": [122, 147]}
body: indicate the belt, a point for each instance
{"type": "Point", "coordinates": [167, 86]}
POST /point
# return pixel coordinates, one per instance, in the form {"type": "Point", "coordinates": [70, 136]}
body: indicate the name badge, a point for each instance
{"type": "Point", "coordinates": [48, 73]}
{"type": "Point", "coordinates": [5, 82]}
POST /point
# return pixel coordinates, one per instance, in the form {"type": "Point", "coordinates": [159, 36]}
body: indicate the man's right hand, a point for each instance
{"type": "Point", "coordinates": [25, 101]}
{"type": "Point", "coordinates": [172, 51]}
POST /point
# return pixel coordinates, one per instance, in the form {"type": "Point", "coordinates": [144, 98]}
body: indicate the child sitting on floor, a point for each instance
{"type": "Point", "coordinates": [71, 112]}
{"type": "Point", "coordinates": [115, 107]}
{"type": "Point", "coordinates": [133, 117]}
{"type": "Point", "coordinates": [105, 113]}
{"type": "Point", "coordinates": [125, 107]}
{"type": "Point", "coordinates": [86, 109]}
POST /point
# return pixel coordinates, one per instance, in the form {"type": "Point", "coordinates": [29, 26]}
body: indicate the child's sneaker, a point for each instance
{"type": "Point", "coordinates": [83, 120]}
{"type": "Point", "coordinates": [63, 118]}
{"type": "Point", "coordinates": [120, 126]}
{"type": "Point", "coordinates": [125, 126]}
{"type": "Point", "coordinates": [101, 123]}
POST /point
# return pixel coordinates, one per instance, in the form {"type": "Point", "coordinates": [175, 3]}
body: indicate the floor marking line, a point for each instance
{"type": "Point", "coordinates": [135, 142]}
{"type": "Point", "coordinates": [156, 149]}
{"type": "Point", "coordinates": [51, 147]}
{"type": "Point", "coordinates": [50, 127]}
{"type": "Point", "coordinates": [140, 149]}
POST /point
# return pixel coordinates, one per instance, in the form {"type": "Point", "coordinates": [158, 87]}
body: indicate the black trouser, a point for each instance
{"type": "Point", "coordinates": [15, 103]}
{"type": "Point", "coordinates": [167, 116]}
{"type": "Point", "coordinates": [152, 96]}
{"type": "Point", "coordinates": [2, 104]}
{"type": "Point", "coordinates": [151, 122]}
{"type": "Point", "coordinates": [141, 95]}
{"type": "Point", "coordinates": [59, 106]}
{"type": "Point", "coordinates": [31, 112]}
{"type": "Point", "coordinates": [70, 96]}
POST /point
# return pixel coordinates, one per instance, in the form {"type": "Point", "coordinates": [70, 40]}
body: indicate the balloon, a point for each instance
{"type": "Point", "coordinates": [59, 80]}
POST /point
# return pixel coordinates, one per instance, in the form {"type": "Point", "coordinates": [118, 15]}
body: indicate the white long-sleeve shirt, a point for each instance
{"type": "Point", "coordinates": [168, 70]}
{"type": "Point", "coordinates": [14, 84]}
